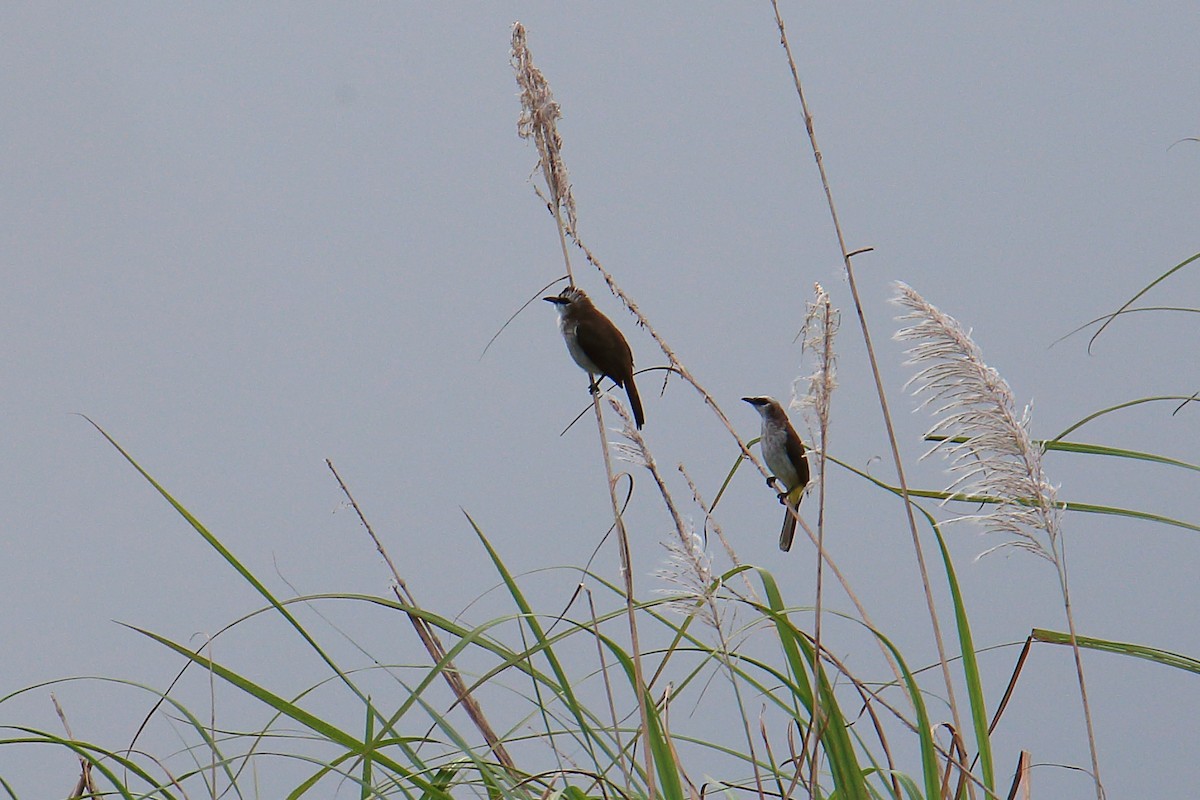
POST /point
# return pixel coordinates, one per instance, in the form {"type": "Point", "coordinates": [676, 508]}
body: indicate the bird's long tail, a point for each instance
{"type": "Point", "coordinates": [789, 528]}
{"type": "Point", "coordinates": [635, 402]}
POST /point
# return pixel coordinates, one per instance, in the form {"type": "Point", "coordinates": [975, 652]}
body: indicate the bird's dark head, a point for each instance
{"type": "Point", "coordinates": [570, 297]}
{"type": "Point", "coordinates": [767, 406]}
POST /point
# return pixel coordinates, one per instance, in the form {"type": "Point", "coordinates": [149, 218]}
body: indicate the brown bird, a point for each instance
{"type": "Point", "coordinates": [784, 453]}
{"type": "Point", "coordinates": [596, 344]}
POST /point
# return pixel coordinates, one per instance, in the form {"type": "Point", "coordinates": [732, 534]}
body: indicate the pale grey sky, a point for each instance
{"type": "Point", "coordinates": [244, 240]}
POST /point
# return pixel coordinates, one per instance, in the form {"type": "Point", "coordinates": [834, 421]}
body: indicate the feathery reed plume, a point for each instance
{"type": "Point", "coordinates": [986, 440]}
{"type": "Point", "coordinates": [821, 324]}
{"type": "Point", "coordinates": [712, 523]}
{"type": "Point", "coordinates": [989, 447]}
{"type": "Point", "coordinates": [689, 567]}
{"type": "Point", "coordinates": [539, 118]}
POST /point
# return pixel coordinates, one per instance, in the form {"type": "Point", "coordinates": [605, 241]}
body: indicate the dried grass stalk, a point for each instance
{"type": "Point", "coordinates": [539, 118]}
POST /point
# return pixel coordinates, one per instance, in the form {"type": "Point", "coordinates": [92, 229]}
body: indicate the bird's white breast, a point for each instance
{"type": "Point", "coordinates": [774, 450]}
{"type": "Point", "coordinates": [567, 328]}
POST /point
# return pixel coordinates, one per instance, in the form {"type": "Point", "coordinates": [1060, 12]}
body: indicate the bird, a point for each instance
{"type": "Point", "coordinates": [784, 453]}
{"type": "Point", "coordinates": [596, 344]}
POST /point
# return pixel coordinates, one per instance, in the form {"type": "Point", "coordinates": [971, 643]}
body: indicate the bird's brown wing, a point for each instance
{"type": "Point", "coordinates": [795, 454]}
{"type": "Point", "coordinates": [607, 349]}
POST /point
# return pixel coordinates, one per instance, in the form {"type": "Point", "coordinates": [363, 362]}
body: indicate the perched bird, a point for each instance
{"type": "Point", "coordinates": [784, 453]}
{"type": "Point", "coordinates": [596, 344]}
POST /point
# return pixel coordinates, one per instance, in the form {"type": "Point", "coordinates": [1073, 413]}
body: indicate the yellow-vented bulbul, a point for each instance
{"type": "Point", "coordinates": [784, 453]}
{"type": "Point", "coordinates": [596, 344]}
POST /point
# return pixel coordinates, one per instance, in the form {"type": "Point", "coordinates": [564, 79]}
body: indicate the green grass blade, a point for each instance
{"type": "Point", "coordinates": [1086, 508]}
{"type": "Point", "coordinates": [563, 685]}
{"type": "Point", "coordinates": [665, 765]}
{"type": "Point", "coordinates": [1164, 657]}
{"type": "Point", "coordinates": [1116, 452]}
{"type": "Point", "coordinates": [1089, 449]}
{"type": "Point", "coordinates": [848, 776]}
{"type": "Point", "coordinates": [1124, 312]}
{"type": "Point", "coordinates": [98, 757]}
{"type": "Point", "coordinates": [250, 578]}
{"type": "Point", "coordinates": [1139, 294]}
{"type": "Point", "coordinates": [490, 776]}
{"type": "Point", "coordinates": [1178, 398]}
{"type": "Point", "coordinates": [1083, 508]}
{"type": "Point", "coordinates": [966, 642]}
{"type": "Point", "coordinates": [314, 723]}
{"type": "Point", "coordinates": [233, 561]}
{"type": "Point", "coordinates": [929, 765]}
{"type": "Point", "coordinates": [368, 742]}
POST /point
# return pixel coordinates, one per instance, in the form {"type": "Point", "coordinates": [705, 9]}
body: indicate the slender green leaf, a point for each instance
{"type": "Point", "coordinates": [848, 775]}
{"type": "Point", "coordinates": [966, 642]}
{"type": "Point", "coordinates": [1164, 657]}
{"type": "Point", "coordinates": [1178, 398]}
{"type": "Point", "coordinates": [1141, 292]}
{"type": "Point", "coordinates": [294, 712]}
{"type": "Point", "coordinates": [1088, 449]}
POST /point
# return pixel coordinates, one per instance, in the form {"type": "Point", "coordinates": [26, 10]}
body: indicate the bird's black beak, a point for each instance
{"type": "Point", "coordinates": [556, 299]}
{"type": "Point", "coordinates": [751, 400]}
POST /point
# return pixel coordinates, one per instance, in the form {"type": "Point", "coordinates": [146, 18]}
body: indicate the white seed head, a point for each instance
{"type": "Point", "coordinates": [995, 456]}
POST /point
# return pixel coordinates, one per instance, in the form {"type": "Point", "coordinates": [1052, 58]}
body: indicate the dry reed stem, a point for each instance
{"type": "Point", "coordinates": [1021, 786]}
{"type": "Point", "coordinates": [874, 362]}
{"type": "Point", "coordinates": [869, 695]}
{"type": "Point", "coordinates": [676, 366]}
{"type": "Point", "coordinates": [429, 638]}
{"type": "Point", "coordinates": [539, 118]}
{"type": "Point", "coordinates": [626, 560]}
{"type": "Point", "coordinates": [86, 785]}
